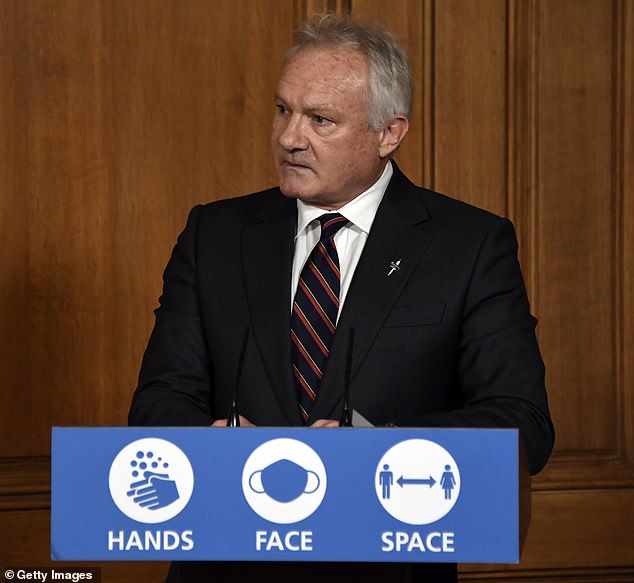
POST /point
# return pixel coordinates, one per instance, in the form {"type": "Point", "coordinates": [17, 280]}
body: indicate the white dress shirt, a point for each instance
{"type": "Point", "coordinates": [349, 240]}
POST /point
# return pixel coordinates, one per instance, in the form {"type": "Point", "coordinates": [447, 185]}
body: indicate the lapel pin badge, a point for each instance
{"type": "Point", "coordinates": [394, 266]}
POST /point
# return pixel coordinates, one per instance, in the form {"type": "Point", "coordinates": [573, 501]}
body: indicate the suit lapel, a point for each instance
{"type": "Point", "coordinates": [396, 234]}
{"type": "Point", "coordinates": [267, 251]}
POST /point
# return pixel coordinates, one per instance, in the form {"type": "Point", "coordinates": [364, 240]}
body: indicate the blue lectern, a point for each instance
{"type": "Point", "coordinates": [288, 494]}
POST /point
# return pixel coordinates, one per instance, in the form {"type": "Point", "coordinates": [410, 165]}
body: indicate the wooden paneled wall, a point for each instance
{"type": "Point", "coordinates": [116, 116]}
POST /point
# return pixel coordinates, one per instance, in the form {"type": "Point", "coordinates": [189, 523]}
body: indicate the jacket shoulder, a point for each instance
{"type": "Point", "coordinates": [440, 210]}
{"type": "Point", "coordinates": [248, 206]}
{"type": "Point", "coordinates": [446, 208]}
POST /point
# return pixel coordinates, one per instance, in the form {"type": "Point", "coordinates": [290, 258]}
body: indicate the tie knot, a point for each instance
{"type": "Point", "coordinates": [330, 225]}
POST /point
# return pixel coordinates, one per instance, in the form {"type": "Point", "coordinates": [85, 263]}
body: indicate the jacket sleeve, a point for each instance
{"type": "Point", "coordinates": [175, 382]}
{"type": "Point", "coordinates": [500, 376]}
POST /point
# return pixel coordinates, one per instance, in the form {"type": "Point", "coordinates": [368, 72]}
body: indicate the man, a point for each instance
{"type": "Point", "coordinates": [443, 335]}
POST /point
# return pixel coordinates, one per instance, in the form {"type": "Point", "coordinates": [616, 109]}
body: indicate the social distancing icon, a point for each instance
{"type": "Point", "coordinates": [417, 481]}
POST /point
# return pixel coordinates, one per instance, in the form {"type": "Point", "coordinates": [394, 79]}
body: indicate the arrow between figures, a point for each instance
{"type": "Point", "coordinates": [415, 481]}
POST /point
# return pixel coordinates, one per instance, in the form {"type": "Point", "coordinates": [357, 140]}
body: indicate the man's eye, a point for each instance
{"type": "Point", "coordinates": [280, 108]}
{"type": "Point", "coordinates": [320, 120]}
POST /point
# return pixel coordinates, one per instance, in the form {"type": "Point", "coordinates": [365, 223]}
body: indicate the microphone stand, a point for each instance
{"type": "Point", "coordinates": [346, 414]}
{"type": "Point", "coordinates": [233, 419]}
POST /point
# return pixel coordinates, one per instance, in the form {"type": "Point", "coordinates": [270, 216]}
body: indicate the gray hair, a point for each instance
{"type": "Point", "coordinates": [390, 84]}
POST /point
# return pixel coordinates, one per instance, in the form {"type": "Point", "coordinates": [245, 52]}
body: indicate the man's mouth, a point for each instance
{"type": "Point", "coordinates": [295, 165]}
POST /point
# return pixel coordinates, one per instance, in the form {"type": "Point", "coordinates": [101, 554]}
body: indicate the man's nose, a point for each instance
{"type": "Point", "coordinates": [293, 135]}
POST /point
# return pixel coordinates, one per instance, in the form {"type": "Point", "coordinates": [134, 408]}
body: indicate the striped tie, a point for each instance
{"type": "Point", "coordinates": [315, 313]}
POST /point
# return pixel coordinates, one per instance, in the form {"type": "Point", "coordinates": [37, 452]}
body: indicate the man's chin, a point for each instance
{"type": "Point", "coordinates": [295, 191]}
{"type": "Point", "coordinates": [312, 199]}
{"type": "Point", "coordinates": [307, 195]}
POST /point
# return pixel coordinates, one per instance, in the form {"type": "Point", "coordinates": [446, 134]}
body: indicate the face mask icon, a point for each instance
{"type": "Point", "coordinates": [284, 481]}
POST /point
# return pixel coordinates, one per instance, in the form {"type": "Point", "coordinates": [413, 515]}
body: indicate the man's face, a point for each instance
{"type": "Point", "coordinates": [324, 151]}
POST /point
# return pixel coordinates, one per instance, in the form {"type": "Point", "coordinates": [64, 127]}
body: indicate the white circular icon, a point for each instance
{"type": "Point", "coordinates": [151, 480]}
{"type": "Point", "coordinates": [284, 481]}
{"type": "Point", "coordinates": [417, 481]}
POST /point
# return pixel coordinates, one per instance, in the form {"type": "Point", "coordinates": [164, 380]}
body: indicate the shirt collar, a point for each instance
{"type": "Point", "coordinates": [360, 211]}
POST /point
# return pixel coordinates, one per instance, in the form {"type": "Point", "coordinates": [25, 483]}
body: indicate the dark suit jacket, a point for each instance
{"type": "Point", "coordinates": [447, 340]}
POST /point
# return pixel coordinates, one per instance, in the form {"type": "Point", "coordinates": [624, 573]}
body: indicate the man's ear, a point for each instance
{"type": "Point", "coordinates": [392, 135]}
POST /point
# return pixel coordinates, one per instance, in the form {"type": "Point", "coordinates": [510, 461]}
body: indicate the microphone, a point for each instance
{"type": "Point", "coordinates": [346, 414]}
{"type": "Point", "coordinates": [233, 419]}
